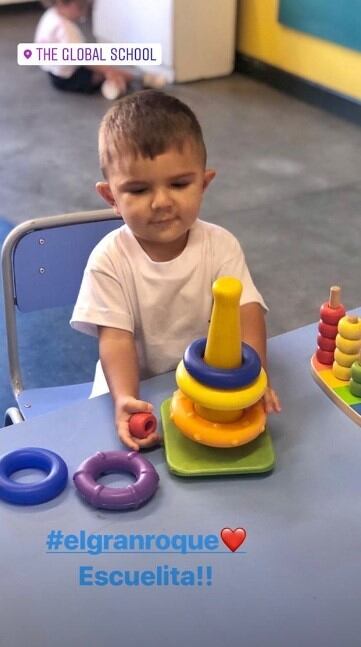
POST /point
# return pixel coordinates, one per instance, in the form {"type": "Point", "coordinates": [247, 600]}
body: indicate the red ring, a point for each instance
{"type": "Point", "coordinates": [331, 315]}
{"type": "Point", "coordinates": [327, 330]}
{"type": "Point", "coordinates": [325, 343]}
{"type": "Point", "coordinates": [324, 356]}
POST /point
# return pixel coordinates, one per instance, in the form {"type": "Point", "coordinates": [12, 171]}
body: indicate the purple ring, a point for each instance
{"type": "Point", "coordinates": [133, 495]}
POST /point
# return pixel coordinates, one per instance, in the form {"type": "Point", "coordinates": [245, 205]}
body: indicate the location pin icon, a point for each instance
{"type": "Point", "coordinates": [27, 53]}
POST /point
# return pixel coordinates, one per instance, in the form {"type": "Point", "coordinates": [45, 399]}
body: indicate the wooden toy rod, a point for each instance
{"type": "Point", "coordinates": [335, 296]}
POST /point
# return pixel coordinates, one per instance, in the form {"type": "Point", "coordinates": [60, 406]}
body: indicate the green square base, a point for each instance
{"type": "Point", "coordinates": [187, 458]}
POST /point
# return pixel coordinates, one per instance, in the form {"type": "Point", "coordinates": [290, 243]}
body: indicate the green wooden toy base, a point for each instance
{"type": "Point", "coordinates": [186, 458]}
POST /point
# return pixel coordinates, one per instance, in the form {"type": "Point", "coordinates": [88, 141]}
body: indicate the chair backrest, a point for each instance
{"type": "Point", "coordinates": [42, 263]}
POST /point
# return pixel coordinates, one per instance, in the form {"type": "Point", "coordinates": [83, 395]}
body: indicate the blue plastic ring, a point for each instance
{"type": "Point", "coordinates": [221, 378]}
{"type": "Point", "coordinates": [32, 493]}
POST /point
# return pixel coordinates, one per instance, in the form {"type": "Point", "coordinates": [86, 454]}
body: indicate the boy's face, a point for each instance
{"type": "Point", "coordinates": [160, 198]}
{"type": "Point", "coordinates": [74, 10]}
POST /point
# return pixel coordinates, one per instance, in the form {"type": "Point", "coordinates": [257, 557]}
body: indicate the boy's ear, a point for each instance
{"type": "Point", "coordinates": [209, 174]}
{"type": "Point", "coordinates": [105, 192]}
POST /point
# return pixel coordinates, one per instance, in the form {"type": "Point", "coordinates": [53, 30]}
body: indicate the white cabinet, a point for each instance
{"type": "Point", "coordinates": [197, 36]}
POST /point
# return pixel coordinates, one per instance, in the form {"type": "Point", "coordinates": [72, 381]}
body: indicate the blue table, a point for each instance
{"type": "Point", "coordinates": [296, 580]}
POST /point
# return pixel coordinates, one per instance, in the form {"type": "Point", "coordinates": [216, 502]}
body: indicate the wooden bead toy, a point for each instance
{"type": "Point", "coordinates": [356, 370]}
{"type": "Point", "coordinates": [355, 382]}
{"type": "Point", "coordinates": [350, 327]}
{"type": "Point", "coordinates": [326, 343]}
{"type": "Point", "coordinates": [351, 346]}
{"type": "Point", "coordinates": [326, 330]}
{"type": "Point", "coordinates": [355, 388]}
{"type": "Point", "coordinates": [340, 379]}
{"type": "Point", "coordinates": [341, 372]}
{"type": "Point", "coordinates": [345, 359]}
{"type": "Point", "coordinates": [332, 311]}
{"type": "Point", "coordinates": [324, 356]}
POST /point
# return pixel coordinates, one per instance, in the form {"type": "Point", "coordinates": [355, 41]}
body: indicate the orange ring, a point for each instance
{"type": "Point", "coordinates": [215, 434]}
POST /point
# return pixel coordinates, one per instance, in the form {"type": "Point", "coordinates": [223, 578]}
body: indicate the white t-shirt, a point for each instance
{"type": "Point", "coordinates": [166, 305]}
{"type": "Point", "coordinates": [54, 28]}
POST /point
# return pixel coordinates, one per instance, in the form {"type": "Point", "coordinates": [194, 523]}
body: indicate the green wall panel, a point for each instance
{"type": "Point", "coordinates": [338, 21]}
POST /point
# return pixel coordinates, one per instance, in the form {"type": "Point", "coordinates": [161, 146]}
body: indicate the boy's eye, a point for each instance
{"type": "Point", "coordinates": [137, 190]}
{"type": "Point", "coordinates": [180, 185]}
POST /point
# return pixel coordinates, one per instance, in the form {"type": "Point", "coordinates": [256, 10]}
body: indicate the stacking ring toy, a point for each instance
{"type": "Point", "coordinates": [132, 496]}
{"type": "Point", "coordinates": [348, 345]}
{"type": "Point", "coordinates": [327, 330]}
{"type": "Point", "coordinates": [213, 434]}
{"type": "Point", "coordinates": [356, 372]}
{"type": "Point", "coordinates": [221, 378]}
{"type": "Point", "coordinates": [325, 343]}
{"type": "Point", "coordinates": [350, 327]}
{"type": "Point", "coordinates": [142, 424]}
{"type": "Point", "coordinates": [324, 356]}
{"type": "Point", "coordinates": [345, 359]}
{"type": "Point", "coordinates": [221, 400]}
{"type": "Point", "coordinates": [341, 372]}
{"type": "Point", "coordinates": [332, 315]}
{"type": "Point", "coordinates": [355, 388]}
{"type": "Point", "coordinates": [32, 493]}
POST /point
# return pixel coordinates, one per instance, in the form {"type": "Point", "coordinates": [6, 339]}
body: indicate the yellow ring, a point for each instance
{"type": "Point", "coordinates": [215, 434]}
{"type": "Point", "coordinates": [222, 400]}
{"type": "Point", "coordinates": [347, 345]}
{"type": "Point", "coordinates": [341, 372]}
{"type": "Point", "coordinates": [344, 359]}
{"type": "Point", "coordinates": [349, 329]}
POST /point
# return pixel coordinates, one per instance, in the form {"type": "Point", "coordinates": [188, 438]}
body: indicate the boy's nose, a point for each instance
{"type": "Point", "coordinates": [161, 199]}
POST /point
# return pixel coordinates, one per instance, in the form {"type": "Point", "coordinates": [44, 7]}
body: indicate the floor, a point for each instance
{"type": "Point", "coordinates": [288, 175]}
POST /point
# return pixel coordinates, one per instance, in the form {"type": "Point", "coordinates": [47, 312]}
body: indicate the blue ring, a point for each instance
{"type": "Point", "coordinates": [221, 378]}
{"type": "Point", "coordinates": [32, 493]}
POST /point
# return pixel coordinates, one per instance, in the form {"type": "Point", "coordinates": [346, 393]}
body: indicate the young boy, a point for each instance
{"type": "Point", "coordinates": [59, 25]}
{"type": "Point", "coordinates": [146, 290]}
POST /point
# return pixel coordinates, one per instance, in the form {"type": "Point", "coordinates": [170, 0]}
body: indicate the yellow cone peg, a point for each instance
{"type": "Point", "coordinates": [223, 348]}
{"type": "Point", "coordinates": [224, 345]}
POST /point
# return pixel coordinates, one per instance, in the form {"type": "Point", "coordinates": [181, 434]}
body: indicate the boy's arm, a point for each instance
{"type": "Point", "coordinates": [119, 361]}
{"type": "Point", "coordinates": [253, 328]}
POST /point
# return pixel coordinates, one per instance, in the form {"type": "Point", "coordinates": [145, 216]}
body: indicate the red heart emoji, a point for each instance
{"type": "Point", "coordinates": [233, 539]}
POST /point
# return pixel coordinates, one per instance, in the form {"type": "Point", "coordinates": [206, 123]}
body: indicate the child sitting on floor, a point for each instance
{"type": "Point", "coordinates": [59, 25]}
{"type": "Point", "coordinates": [146, 291]}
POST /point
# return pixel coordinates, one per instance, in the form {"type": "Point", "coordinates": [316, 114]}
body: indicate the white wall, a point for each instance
{"type": "Point", "coordinates": [136, 21]}
{"type": "Point", "coordinates": [197, 36]}
{"type": "Point", "coordinates": [205, 38]}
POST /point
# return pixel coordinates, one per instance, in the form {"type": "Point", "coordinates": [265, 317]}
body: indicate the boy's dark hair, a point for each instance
{"type": "Point", "coordinates": [147, 123]}
{"type": "Point", "coordinates": [52, 3]}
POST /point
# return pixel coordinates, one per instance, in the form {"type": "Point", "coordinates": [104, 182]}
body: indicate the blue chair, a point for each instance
{"type": "Point", "coordinates": [42, 263]}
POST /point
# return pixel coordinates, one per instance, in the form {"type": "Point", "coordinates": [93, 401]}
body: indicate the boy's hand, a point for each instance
{"type": "Point", "coordinates": [124, 408]}
{"type": "Point", "coordinates": [271, 401]}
